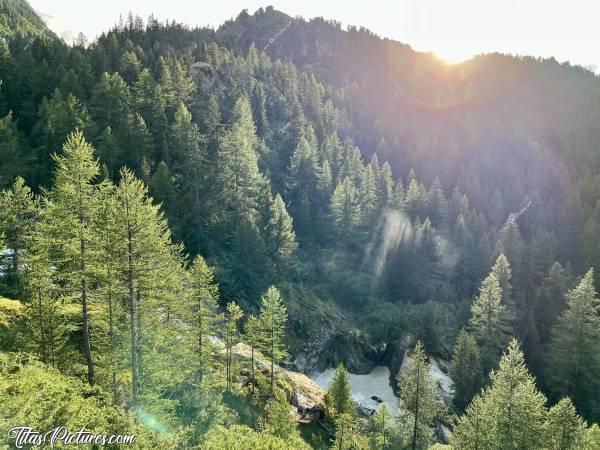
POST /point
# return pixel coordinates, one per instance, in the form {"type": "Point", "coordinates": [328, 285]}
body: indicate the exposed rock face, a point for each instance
{"type": "Point", "coordinates": [305, 395]}
{"type": "Point", "coordinates": [394, 358]}
{"type": "Point", "coordinates": [335, 345]}
{"type": "Point", "coordinates": [444, 382]}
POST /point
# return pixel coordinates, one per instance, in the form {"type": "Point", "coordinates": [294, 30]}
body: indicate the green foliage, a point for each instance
{"type": "Point", "coordinates": [18, 211]}
{"type": "Point", "coordinates": [18, 19]}
{"type": "Point", "coordinates": [279, 420]}
{"type": "Point", "coordinates": [382, 429]}
{"type": "Point", "coordinates": [564, 429]}
{"type": "Point", "coordinates": [347, 434]}
{"type": "Point", "coordinates": [31, 392]}
{"type": "Point", "coordinates": [574, 366]}
{"type": "Point", "coordinates": [203, 314]}
{"type": "Point", "coordinates": [240, 436]}
{"type": "Point", "coordinates": [511, 410]}
{"type": "Point", "coordinates": [490, 321]}
{"type": "Point", "coordinates": [272, 319]}
{"type": "Point", "coordinates": [420, 400]}
{"type": "Point", "coordinates": [233, 315]}
{"type": "Point", "coordinates": [465, 369]}
{"type": "Point", "coordinates": [338, 398]}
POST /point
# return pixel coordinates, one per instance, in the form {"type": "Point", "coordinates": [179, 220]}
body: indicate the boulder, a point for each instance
{"type": "Point", "coordinates": [305, 395]}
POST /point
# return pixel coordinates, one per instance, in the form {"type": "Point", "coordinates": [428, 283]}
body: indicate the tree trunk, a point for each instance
{"type": "Point", "coordinates": [87, 348]}
{"type": "Point", "coordinates": [415, 426]}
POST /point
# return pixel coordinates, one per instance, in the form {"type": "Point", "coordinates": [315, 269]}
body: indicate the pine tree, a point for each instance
{"type": "Point", "coordinates": [489, 321]}
{"type": "Point", "coordinates": [110, 100]}
{"type": "Point", "coordinates": [233, 315]}
{"type": "Point", "coordinates": [254, 338]}
{"type": "Point", "coordinates": [510, 411]}
{"type": "Point", "coordinates": [47, 327]}
{"type": "Point", "coordinates": [148, 255]}
{"type": "Point", "coordinates": [279, 420]}
{"type": "Point", "coordinates": [436, 202]}
{"type": "Point", "coordinates": [282, 239]}
{"type": "Point", "coordinates": [18, 212]}
{"type": "Point", "coordinates": [592, 438]}
{"type": "Point", "coordinates": [573, 363]}
{"type": "Point", "coordinates": [15, 159]}
{"type": "Point", "coordinates": [465, 369]}
{"type": "Point", "coordinates": [382, 429]}
{"type": "Point", "coordinates": [369, 197]}
{"type": "Point", "coordinates": [420, 399]}
{"type": "Point", "coordinates": [240, 179]}
{"type": "Point", "coordinates": [338, 398]}
{"type": "Point", "coordinates": [347, 434]}
{"type": "Point", "coordinates": [110, 285]}
{"type": "Point", "coordinates": [503, 272]}
{"type": "Point", "coordinates": [58, 117]}
{"type": "Point", "coordinates": [551, 301]}
{"type": "Point", "coordinates": [345, 208]}
{"type": "Point", "coordinates": [303, 180]}
{"type": "Point", "coordinates": [204, 294]}
{"type": "Point", "coordinates": [186, 147]}
{"type": "Point", "coordinates": [510, 243]}
{"type": "Point", "coordinates": [564, 429]}
{"type": "Point", "coordinates": [273, 316]}
{"type": "Point", "coordinates": [72, 214]}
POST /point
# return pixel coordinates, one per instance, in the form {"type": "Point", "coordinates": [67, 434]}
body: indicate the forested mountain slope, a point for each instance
{"type": "Point", "coordinates": [385, 193]}
{"type": "Point", "coordinates": [17, 18]}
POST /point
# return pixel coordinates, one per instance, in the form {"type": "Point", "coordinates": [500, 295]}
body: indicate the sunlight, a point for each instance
{"type": "Point", "coordinates": [452, 55]}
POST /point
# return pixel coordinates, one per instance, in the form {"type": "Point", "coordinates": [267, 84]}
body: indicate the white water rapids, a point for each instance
{"type": "Point", "coordinates": [376, 383]}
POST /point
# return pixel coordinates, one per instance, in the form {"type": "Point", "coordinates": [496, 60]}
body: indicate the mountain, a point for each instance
{"type": "Point", "coordinates": [17, 18]}
{"type": "Point", "coordinates": [435, 118]}
{"type": "Point", "coordinates": [336, 193]}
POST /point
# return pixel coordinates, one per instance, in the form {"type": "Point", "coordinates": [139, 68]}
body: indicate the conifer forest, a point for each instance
{"type": "Point", "coordinates": [199, 225]}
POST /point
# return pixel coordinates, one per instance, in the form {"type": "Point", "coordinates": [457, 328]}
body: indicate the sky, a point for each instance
{"type": "Point", "coordinates": [454, 30]}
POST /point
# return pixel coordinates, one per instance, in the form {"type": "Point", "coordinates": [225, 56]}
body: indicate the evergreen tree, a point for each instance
{"type": "Point", "coordinates": [240, 179]}
{"type": "Point", "coordinates": [18, 212]}
{"type": "Point", "coordinates": [564, 429]}
{"type": "Point", "coordinates": [273, 316]}
{"type": "Point", "coordinates": [510, 411]}
{"type": "Point", "coordinates": [551, 301]}
{"type": "Point", "coordinates": [253, 337]}
{"type": "Point", "coordinates": [369, 197]}
{"type": "Point", "coordinates": [233, 315]}
{"type": "Point", "coordinates": [145, 258]}
{"type": "Point", "coordinates": [71, 217]}
{"type": "Point", "coordinates": [502, 270]}
{"type": "Point", "coordinates": [282, 239]}
{"type": "Point", "coordinates": [48, 328]}
{"type": "Point", "coordinates": [420, 399]}
{"type": "Point", "coordinates": [347, 434]}
{"type": "Point", "coordinates": [58, 117]}
{"type": "Point", "coordinates": [338, 398]}
{"type": "Point", "coordinates": [573, 362]}
{"type": "Point", "coordinates": [110, 100]}
{"type": "Point", "coordinates": [345, 209]}
{"type": "Point", "coordinates": [204, 294]}
{"type": "Point", "coordinates": [382, 429]}
{"type": "Point", "coordinates": [592, 438]}
{"type": "Point", "coordinates": [279, 420]}
{"type": "Point", "coordinates": [465, 369]}
{"type": "Point", "coordinates": [15, 160]}
{"type": "Point", "coordinates": [490, 321]}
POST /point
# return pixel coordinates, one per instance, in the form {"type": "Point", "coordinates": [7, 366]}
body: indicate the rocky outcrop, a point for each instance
{"type": "Point", "coordinates": [305, 395]}
{"type": "Point", "coordinates": [336, 344]}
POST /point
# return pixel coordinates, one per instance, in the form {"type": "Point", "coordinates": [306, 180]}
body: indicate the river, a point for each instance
{"type": "Point", "coordinates": [376, 383]}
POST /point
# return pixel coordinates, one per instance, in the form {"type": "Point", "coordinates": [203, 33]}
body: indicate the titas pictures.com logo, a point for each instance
{"type": "Point", "coordinates": [26, 436]}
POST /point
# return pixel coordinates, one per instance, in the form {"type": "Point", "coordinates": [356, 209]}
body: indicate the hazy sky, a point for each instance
{"type": "Point", "coordinates": [453, 29]}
